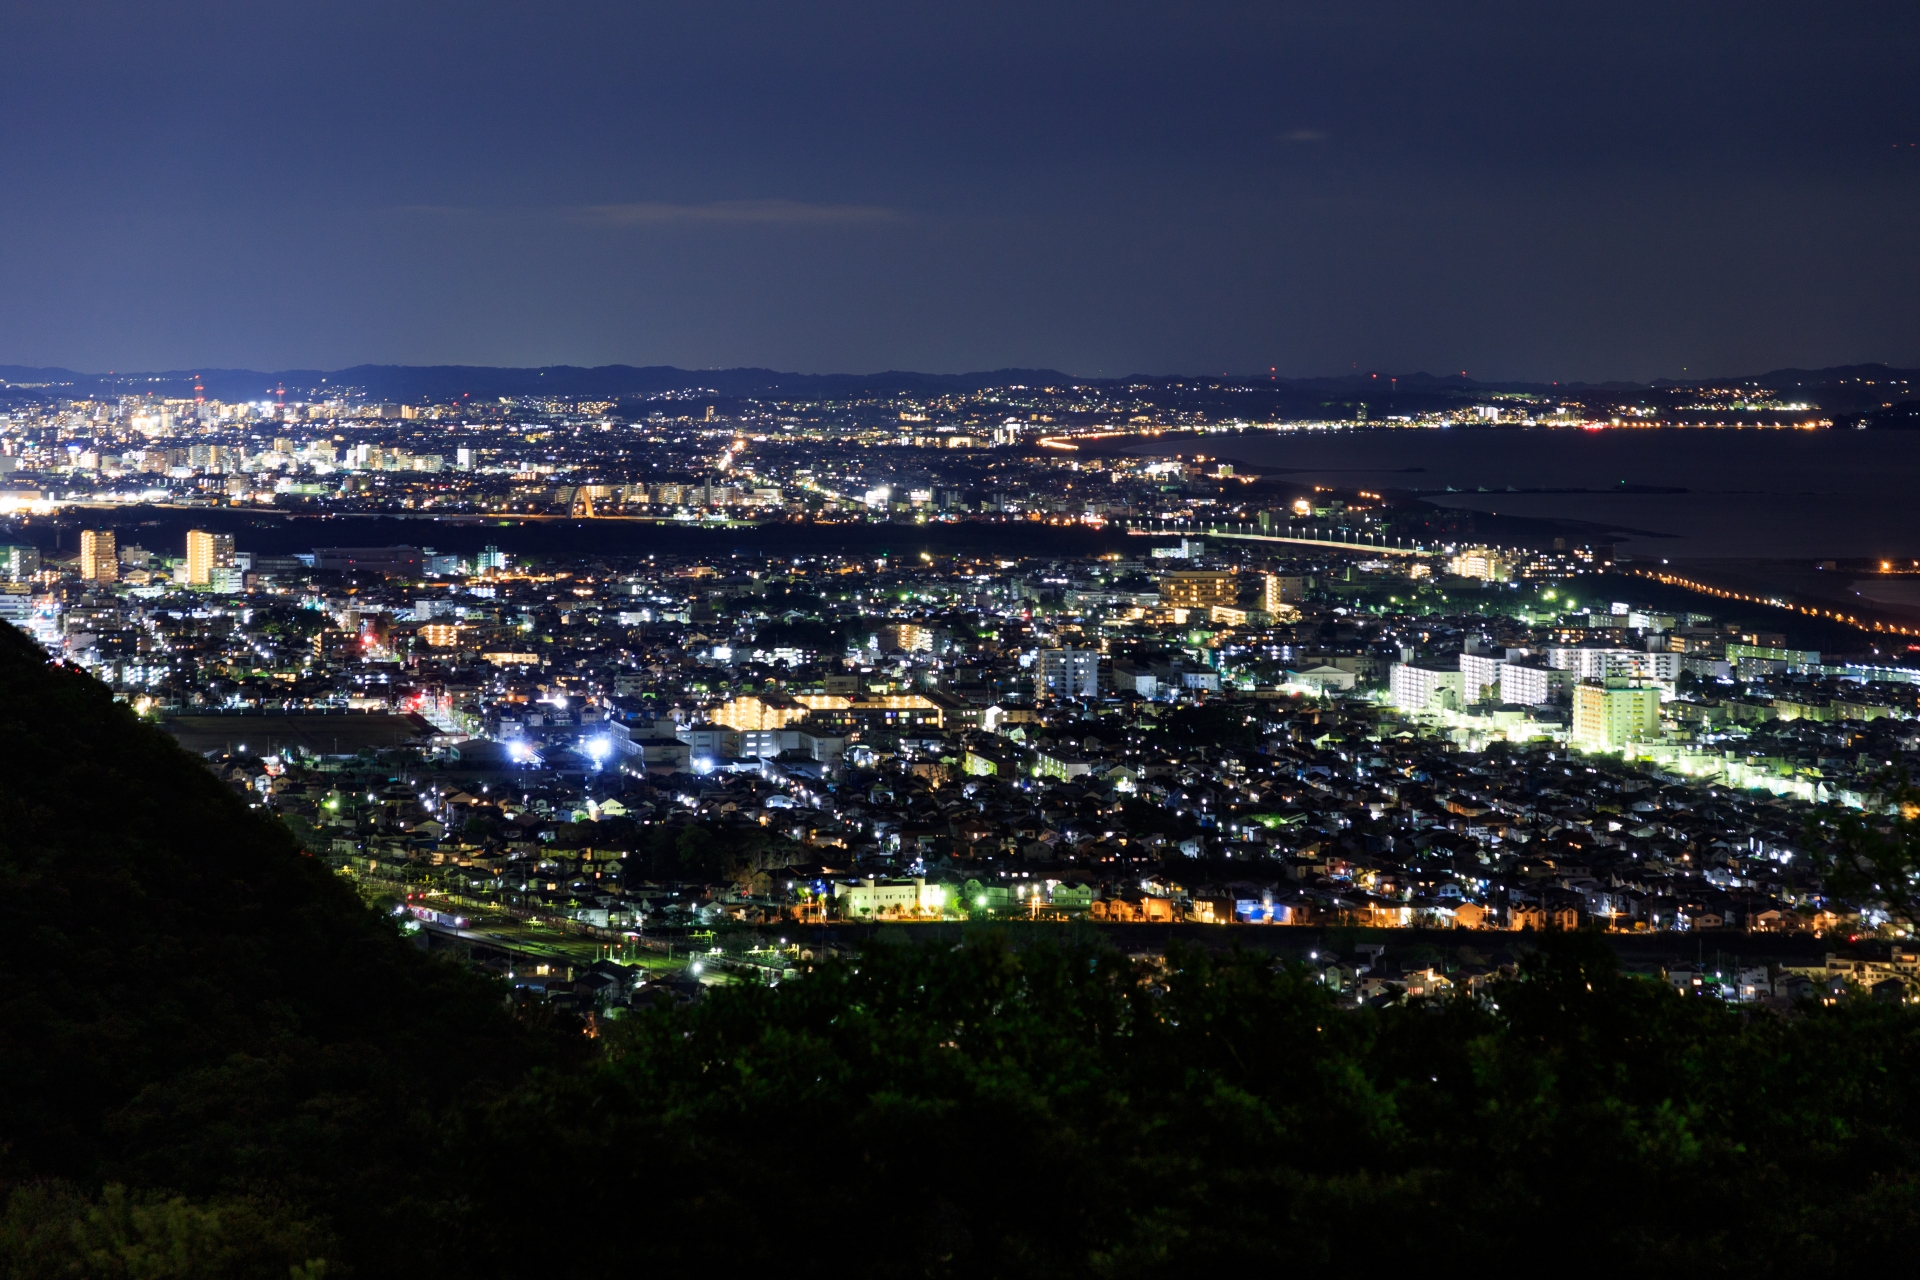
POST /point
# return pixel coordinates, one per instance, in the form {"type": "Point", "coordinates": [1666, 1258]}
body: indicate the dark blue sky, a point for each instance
{"type": "Point", "coordinates": [1513, 190]}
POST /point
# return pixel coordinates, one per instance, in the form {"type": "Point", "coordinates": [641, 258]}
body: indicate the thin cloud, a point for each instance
{"type": "Point", "coordinates": [1304, 135]}
{"type": "Point", "coordinates": [733, 212]}
{"type": "Point", "coordinates": [653, 213]}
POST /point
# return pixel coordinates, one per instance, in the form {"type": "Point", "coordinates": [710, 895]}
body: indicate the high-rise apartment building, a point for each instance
{"type": "Point", "coordinates": [1483, 563]}
{"type": "Point", "coordinates": [99, 556]}
{"type": "Point", "coordinates": [1427, 686]}
{"type": "Point", "coordinates": [17, 563]}
{"type": "Point", "coordinates": [1598, 662]}
{"type": "Point", "coordinates": [1530, 682]}
{"type": "Point", "coordinates": [1609, 714]}
{"type": "Point", "coordinates": [1067, 673]}
{"type": "Point", "coordinates": [908, 637]}
{"type": "Point", "coordinates": [1480, 676]}
{"type": "Point", "coordinates": [206, 554]}
{"type": "Point", "coordinates": [1277, 589]}
{"type": "Point", "coordinates": [1198, 589]}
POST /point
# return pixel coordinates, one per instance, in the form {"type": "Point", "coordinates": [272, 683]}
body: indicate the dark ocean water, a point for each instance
{"type": "Point", "coordinates": [1744, 493]}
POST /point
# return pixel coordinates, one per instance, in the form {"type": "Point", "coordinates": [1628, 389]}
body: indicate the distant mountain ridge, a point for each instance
{"type": "Point", "coordinates": [442, 383]}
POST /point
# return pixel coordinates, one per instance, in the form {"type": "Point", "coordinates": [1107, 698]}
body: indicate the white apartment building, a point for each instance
{"type": "Point", "coordinates": [1480, 677]}
{"type": "Point", "coordinates": [1597, 664]}
{"type": "Point", "coordinates": [1531, 682]}
{"type": "Point", "coordinates": [1419, 686]}
{"type": "Point", "coordinates": [1067, 673]}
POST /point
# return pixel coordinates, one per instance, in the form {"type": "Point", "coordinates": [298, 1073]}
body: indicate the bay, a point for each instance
{"type": "Point", "coordinates": [1663, 492]}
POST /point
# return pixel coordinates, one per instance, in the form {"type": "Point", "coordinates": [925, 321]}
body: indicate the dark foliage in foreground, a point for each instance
{"type": "Point", "coordinates": [188, 1003]}
{"type": "Point", "coordinates": [218, 1064]}
{"type": "Point", "coordinates": [1059, 1111]}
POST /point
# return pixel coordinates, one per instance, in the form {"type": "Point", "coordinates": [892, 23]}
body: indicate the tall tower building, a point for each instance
{"type": "Point", "coordinates": [207, 552]}
{"type": "Point", "coordinates": [99, 557]}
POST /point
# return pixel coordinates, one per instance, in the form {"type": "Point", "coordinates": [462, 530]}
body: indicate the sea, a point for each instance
{"type": "Point", "coordinates": [1694, 493]}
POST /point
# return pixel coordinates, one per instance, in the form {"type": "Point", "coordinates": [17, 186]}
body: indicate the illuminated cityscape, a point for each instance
{"type": "Point", "coordinates": [1020, 653]}
{"type": "Point", "coordinates": [966, 642]}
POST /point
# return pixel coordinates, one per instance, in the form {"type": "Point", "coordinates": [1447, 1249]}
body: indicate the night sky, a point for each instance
{"type": "Point", "coordinates": [1510, 190]}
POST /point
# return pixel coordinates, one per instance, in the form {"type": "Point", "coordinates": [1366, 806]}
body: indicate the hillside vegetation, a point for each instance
{"type": "Point", "coordinates": [190, 1006]}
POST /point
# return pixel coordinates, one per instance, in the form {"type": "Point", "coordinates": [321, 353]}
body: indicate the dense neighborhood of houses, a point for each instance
{"type": "Point", "coordinates": [1201, 735]}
